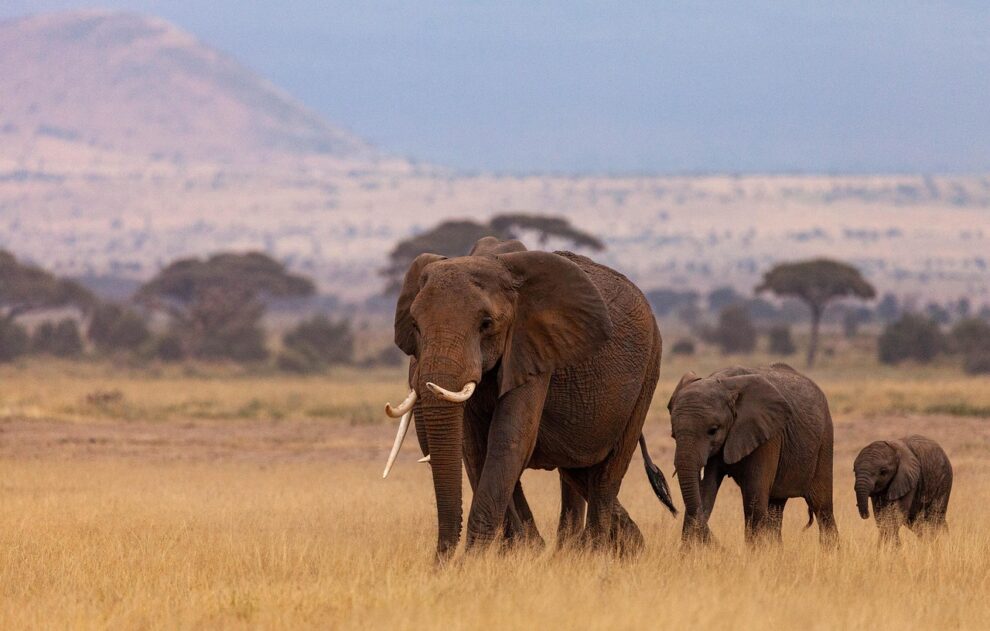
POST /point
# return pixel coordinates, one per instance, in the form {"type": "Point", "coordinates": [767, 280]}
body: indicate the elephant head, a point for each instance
{"type": "Point", "coordinates": [501, 312]}
{"type": "Point", "coordinates": [886, 468]}
{"type": "Point", "coordinates": [725, 415]}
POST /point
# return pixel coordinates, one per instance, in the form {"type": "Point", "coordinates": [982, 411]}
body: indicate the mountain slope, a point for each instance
{"type": "Point", "coordinates": [138, 85]}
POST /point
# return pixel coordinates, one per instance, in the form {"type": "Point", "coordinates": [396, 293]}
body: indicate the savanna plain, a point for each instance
{"type": "Point", "coordinates": [195, 497]}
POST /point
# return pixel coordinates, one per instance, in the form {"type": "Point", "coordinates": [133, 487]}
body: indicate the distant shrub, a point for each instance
{"type": "Point", "coordinates": [14, 340]}
{"type": "Point", "coordinates": [911, 337]}
{"type": "Point", "coordinates": [722, 297]}
{"type": "Point", "coordinates": [971, 334]}
{"type": "Point", "coordinates": [291, 360]}
{"type": "Point", "coordinates": [391, 355]}
{"type": "Point", "coordinates": [322, 341]}
{"type": "Point", "coordinates": [684, 346]}
{"type": "Point", "coordinates": [977, 362]}
{"type": "Point", "coordinates": [61, 339]}
{"type": "Point", "coordinates": [245, 344]}
{"type": "Point", "coordinates": [853, 319]}
{"type": "Point", "coordinates": [114, 328]}
{"type": "Point", "coordinates": [735, 332]}
{"type": "Point", "coordinates": [781, 342]}
{"type": "Point", "coordinates": [666, 301]}
{"type": "Point", "coordinates": [168, 348]}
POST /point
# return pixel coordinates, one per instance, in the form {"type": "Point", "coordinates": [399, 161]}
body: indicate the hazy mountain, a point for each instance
{"type": "Point", "coordinates": [138, 85]}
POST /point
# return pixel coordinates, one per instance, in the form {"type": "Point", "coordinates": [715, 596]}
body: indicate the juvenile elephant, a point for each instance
{"type": "Point", "coordinates": [770, 430]}
{"type": "Point", "coordinates": [908, 480]}
{"type": "Point", "coordinates": [527, 359]}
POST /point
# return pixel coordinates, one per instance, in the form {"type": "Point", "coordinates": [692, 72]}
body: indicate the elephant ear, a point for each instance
{"type": "Point", "coordinates": [908, 471]}
{"type": "Point", "coordinates": [761, 413]}
{"type": "Point", "coordinates": [686, 379]}
{"type": "Point", "coordinates": [405, 332]}
{"type": "Point", "coordinates": [561, 318]}
{"type": "Point", "coordinates": [492, 246]}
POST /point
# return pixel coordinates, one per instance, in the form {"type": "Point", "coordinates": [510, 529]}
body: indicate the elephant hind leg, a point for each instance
{"type": "Point", "coordinates": [820, 498]}
{"type": "Point", "coordinates": [775, 518]}
{"type": "Point", "coordinates": [520, 525]}
{"type": "Point", "coordinates": [572, 507]}
{"type": "Point", "coordinates": [625, 533]}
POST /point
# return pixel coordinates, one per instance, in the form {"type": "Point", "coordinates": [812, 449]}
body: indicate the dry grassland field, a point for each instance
{"type": "Point", "coordinates": [211, 498]}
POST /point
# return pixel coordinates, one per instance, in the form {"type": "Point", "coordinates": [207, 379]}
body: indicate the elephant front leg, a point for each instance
{"type": "Point", "coordinates": [710, 484]}
{"type": "Point", "coordinates": [756, 508]}
{"type": "Point", "coordinates": [511, 440]}
{"type": "Point", "coordinates": [889, 520]}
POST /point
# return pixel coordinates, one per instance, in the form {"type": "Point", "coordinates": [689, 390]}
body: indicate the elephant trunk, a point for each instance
{"type": "Point", "coordinates": [863, 487]}
{"type": "Point", "coordinates": [444, 430]}
{"type": "Point", "coordinates": [689, 476]}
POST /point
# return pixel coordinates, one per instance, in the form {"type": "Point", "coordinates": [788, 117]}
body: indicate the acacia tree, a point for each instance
{"type": "Point", "coordinates": [816, 282]}
{"type": "Point", "coordinates": [456, 237]}
{"type": "Point", "coordinates": [216, 304]}
{"type": "Point", "coordinates": [25, 288]}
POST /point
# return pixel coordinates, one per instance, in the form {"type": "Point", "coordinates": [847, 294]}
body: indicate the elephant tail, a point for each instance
{"type": "Point", "coordinates": [811, 517]}
{"type": "Point", "coordinates": [657, 481]}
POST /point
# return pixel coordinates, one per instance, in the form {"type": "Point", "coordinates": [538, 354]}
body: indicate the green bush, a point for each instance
{"type": "Point", "coordinates": [61, 339]}
{"type": "Point", "coordinates": [735, 332]}
{"type": "Point", "coordinates": [911, 337]}
{"type": "Point", "coordinates": [322, 341]}
{"type": "Point", "coordinates": [684, 346]}
{"type": "Point", "coordinates": [977, 362]}
{"type": "Point", "coordinates": [168, 348]}
{"type": "Point", "coordinates": [293, 361]}
{"type": "Point", "coordinates": [781, 342]}
{"type": "Point", "coordinates": [114, 328]}
{"type": "Point", "coordinates": [970, 335]}
{"type": "Point", "coordinates": [14, 340]}
{"type": "Point", "coordinates": [391, 355]}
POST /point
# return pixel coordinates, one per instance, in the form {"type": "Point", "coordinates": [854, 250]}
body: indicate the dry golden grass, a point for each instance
{"type": "Point", "coordinates": [281, 520]}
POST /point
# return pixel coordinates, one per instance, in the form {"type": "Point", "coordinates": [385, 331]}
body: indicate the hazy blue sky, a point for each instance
{"type": "Point", "coordinates": [624, 86]}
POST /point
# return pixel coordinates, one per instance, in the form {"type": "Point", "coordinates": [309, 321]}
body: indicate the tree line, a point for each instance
{"type": "Point", "coordinates": [211, 309]}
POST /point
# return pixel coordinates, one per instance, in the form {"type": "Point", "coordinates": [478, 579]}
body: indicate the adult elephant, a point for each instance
{"type": "Point", "coordinates": [527, 359]}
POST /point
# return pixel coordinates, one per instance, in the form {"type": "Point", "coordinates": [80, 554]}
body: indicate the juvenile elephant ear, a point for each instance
{"type": "Point", "coordinates": [908, 471]}
{"type": "Point", "coordinates": [561, 319]}
{"type": "Point", "coordinates": [761, 413]}
{"type": "Point", "coordinates": [688, 378]}
{"type": "Point", "coordinates": [405, 332]}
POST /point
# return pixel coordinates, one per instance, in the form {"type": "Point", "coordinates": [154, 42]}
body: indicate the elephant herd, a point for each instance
{"type": "Point", "coordinates": [525, 359]}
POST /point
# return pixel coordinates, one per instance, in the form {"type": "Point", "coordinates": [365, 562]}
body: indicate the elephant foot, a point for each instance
{"type": "Point", "coordinates": [625, 539]}
{"type": "Point", "coordinates": [529, 538]}
{"type": "Point", "coordinates": [698, 537]}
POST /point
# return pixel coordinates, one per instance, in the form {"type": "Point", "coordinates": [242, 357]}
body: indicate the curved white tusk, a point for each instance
{"type": "Point", "coordinates": [402, 408]}
{"type": "Point", "coordinates": [399, 437]}
{"type": "Point", "coordinates": [454, 397]}
{"type": "Point", "coordinates": [425, 459]}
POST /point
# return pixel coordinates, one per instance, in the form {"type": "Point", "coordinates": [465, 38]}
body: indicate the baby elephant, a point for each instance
{"type": "Point", "coordinates": [770, 430]}
{"type": "Point", "coordinates": [909, 481]}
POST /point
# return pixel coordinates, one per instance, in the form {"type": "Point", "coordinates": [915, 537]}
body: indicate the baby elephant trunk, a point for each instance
{"type": "Point", "coordinates": [863, 487]}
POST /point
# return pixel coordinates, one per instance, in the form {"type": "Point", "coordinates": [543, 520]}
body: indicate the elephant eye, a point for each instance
{"type": "Point", "coordinates": [712, 430]}
{"type": "Point", "coordinates": [486, 324]}
{"type": "Point", "coordinates": [883, 471]}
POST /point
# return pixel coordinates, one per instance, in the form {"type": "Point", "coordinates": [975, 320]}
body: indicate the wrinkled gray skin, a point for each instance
{"type": "Point", "coordinates": [909, 481]}
{"type": "Point", "coordinates": [566, 355]}
{"type": "Point", "coordinates": [770, 430]}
